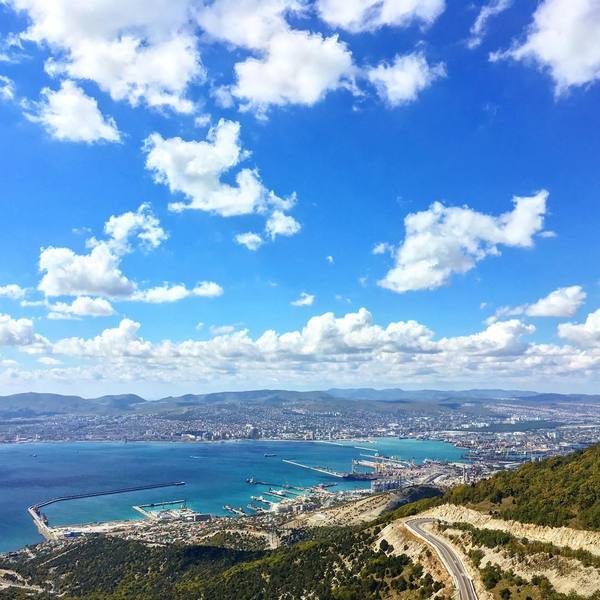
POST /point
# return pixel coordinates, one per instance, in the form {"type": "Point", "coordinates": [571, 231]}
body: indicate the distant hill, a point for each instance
{"type": "Point", "coordinates": [32, 404]}
{"type": "Point", "coordinates": [395, 394]}
{"type": "Point", "coordinates": [557, 491]}
{"type": "Point", "coordinates": [252, 396]}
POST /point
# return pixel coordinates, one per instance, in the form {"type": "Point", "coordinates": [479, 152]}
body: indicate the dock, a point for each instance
{"type": "Point", "coordinates": [41, 521]}
{"type": "Point", "coordinates": [352, 476]}
{"type": "Point", "coordinates": [322, 470]}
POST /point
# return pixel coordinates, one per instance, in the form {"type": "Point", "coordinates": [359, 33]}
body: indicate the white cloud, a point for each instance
{"type": "Point", "coordinates": [203, 120]}
{"type": "Point", "coordinates": [382, 248]}
{"type": "Point", "coordinates": [12, 291]}
{"type": "Point", "coordinates": [350, 349]}
{"type": "Point", "coordinates": [68, 114]}
{"type": "Point", "coordinates": [290, 67]}
{"type": "Point", "coordinates": [563, 39]}
{"type": "Point", "coordinates": [7, 88]}
{"type": "Point", "coordinates": [246, 23]}
{"type": "Point", "coordinates": [49, 361]}
{"type": "Point", "coordinates": [216, 330]}
{"type": "Point", "coordinates": [444, 240]}
{"type": "Point", "coordinates": [304, 300]}
{"type": "Point", "coordinates": [195, 169]}
{"type": "Point", "coordinates": [120, 341]}
{"type": "Point", "coordinates": [401, 81]}
{"type": "Point", "coordinates": [82, 306]}
{"type": "Point", "coordinates": [368, 15]}
{"type": "Point", "coordinates": [281, 224]}
{"type": "Point", "coordinates": [141, 224]}
{"type": "Point", "coordinates": [487, 12]}
{"type": "Point", "coordinates": [562, 302]}
{"type": "Point", "coordinates": [583, 334]}
{"type": "Point", "coordinates": [504, 337]}
{"type": "Point", "coordinates": [328, 350]}
{"type": "Point", "coordinates": [297, 67]}
{"type": "Point", "coordinates": [329, 259]}
{"type": "Point", "coordinates": [174, 293]}
{"type": "Point", "coordinates": [98, 273]}
{"type": "Point", "coordinates": [251, 240]}
{"type": "Point", "coordinates": [139, 50]}
{"type": "Point", "coordinates": [16, 332]}
{"type": "Point", "coordinates": [69, 274]}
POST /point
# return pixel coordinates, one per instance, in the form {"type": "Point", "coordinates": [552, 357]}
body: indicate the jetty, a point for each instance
{"type": "Point", "coordinates": [323, 470]}
{"type": "Point", "coordinates": [352, 476]}
{"type": "Point", "coordinates": [41, 521]}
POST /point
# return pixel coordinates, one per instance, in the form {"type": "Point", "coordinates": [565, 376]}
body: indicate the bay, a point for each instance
{"type": "Point", "coordinates": [215, 474]}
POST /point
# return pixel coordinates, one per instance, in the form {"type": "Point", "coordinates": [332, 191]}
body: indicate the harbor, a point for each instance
{"type": "Point", "coordinates": [223, 474]}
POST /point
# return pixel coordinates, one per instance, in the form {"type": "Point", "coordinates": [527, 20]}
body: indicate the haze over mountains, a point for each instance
{"type": "Point", "coordinates": [34, 404]}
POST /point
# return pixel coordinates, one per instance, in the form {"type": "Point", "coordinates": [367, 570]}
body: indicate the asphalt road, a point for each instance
{"type": "Point", "coordinates": [450, 559]}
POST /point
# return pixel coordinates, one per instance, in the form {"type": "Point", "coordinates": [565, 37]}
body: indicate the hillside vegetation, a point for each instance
{"type": "Point", "coordinates": [560, 491]}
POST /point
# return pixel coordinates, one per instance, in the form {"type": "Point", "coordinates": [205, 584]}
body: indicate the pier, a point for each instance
{"type": "Point", "coordinates": [41, 521]}
{"type": "Point", "coordinates": [352, 476]}
{"type": "Point", "coordinates": [323, 470]}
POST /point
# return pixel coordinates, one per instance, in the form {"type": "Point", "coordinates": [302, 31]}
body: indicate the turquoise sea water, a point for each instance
{"type": "Point", "coordinates": [215, 474]}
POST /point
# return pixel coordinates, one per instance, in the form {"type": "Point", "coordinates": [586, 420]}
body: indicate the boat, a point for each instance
{"type": "Point", "coordinates": [269, 455]}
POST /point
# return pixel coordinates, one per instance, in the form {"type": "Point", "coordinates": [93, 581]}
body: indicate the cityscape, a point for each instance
{"type": "Point", "coordinates": [299, 300]}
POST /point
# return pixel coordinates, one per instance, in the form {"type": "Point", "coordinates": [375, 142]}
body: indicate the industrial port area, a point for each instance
{"type": "Point", "coordinates": [492, 434]}
{"type": "Point", "coordinates": [270, 504]}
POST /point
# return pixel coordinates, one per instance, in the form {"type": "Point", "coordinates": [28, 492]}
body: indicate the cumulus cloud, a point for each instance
{"type": "Point", "coordinates": [562, 302]}
{"type": "Point", "coordinates": [173, 293]}
{"type": "Point", "coordinates": [487, 12]}
{"type": "Point", "coordinates": [66, 273]}
{"type": "Point", "coordinates": [16, 332]}
{"type": "Point", "coordinates": [290, 66]}
{"type": "Point", "coordinates": [83, 306]}
{"type": "Point", "coordinates": [401, 81]}
{"type": "Point", "coordinates": [195, 169]}
{"type": "Point", "coordinates": [98, 272]}
{"type": "Point", "coordinates": [442, 241]}
{"type": "Point", "coordinates": [281, 224]}
{"type": "Point", "coordinates": [583, 334]}
{"type": "Point", "coordinates": [368, 15]}
{"type": "Point", "coordinates": [563, 39]}
{"type": "Point", "coordinates": [139, 50]}
{"type": "Point", "coordinates": [116, 342]}
{"type": "Point", "coordinates": [297, 67]}
{"type": "Point", "coordinates": [305, 299]}
{"type": "Point", "coordinates": [250, 240]}
{"type": "Point", "coordinates": [348, 350]}
{"type": "Point", "coordinates": [12, 291]}
{"type": "Point", "coordinates": [68, 114]}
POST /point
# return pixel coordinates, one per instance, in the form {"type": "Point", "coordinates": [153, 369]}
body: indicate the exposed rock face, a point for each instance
{"type": "Point", "coordinates": [559, 536]}
{"type": "Point", "coordinates": [418, 551]}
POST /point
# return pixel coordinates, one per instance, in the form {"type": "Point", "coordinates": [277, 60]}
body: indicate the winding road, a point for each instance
{"type": "Point", "coordinates": [451, 560]}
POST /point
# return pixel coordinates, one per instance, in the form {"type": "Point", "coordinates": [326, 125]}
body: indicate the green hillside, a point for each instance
{"type": "Point", "coordinates": [557, 491]}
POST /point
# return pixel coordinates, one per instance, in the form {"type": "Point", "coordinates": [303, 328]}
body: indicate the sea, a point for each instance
{"type": "Point", "coordinates": [215, 474]}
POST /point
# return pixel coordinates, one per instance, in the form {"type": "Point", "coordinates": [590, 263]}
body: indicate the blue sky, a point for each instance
{"type": "Point", "coordinates": [225, 195]}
